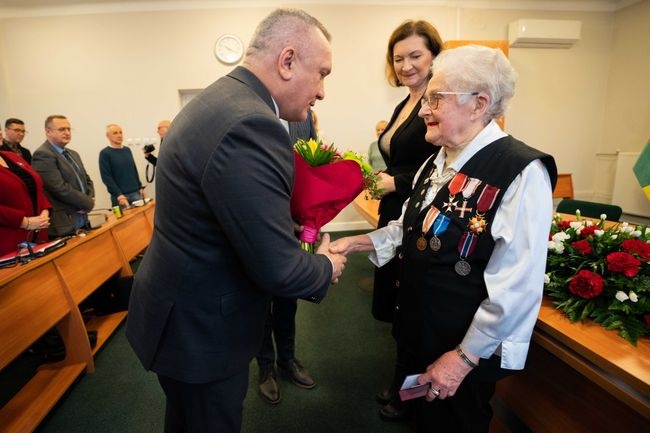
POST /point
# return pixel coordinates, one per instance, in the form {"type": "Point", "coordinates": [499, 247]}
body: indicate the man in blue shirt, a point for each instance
{"type": "Point", "coordinates": [118, 170]}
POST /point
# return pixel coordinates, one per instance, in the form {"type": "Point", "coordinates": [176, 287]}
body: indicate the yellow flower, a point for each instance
{"type": "Point", "coordinates": [313, 145]}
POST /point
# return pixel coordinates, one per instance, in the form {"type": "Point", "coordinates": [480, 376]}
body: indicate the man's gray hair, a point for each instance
{"type": "Point", "coordinates": [474, 68]}
{"type": "Point", "coordinates": [281, 28]}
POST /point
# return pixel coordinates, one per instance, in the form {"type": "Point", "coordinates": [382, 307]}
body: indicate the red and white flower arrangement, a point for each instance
{"type": "Point", "coordinates": [601, 274]}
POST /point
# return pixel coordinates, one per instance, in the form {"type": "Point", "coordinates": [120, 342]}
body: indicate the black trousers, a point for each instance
{"type": "Point", "coordinates": [281, 327]}
{"type": "Point", "coordinates": [214, 407]}
{"type": "Point", "coordinates": [468, 411]}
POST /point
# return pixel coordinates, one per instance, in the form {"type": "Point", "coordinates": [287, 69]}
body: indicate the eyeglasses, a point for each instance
{"type": "Point", "coordinates": [18, 131]}
{"type": "Point", "coordinates": [434, 98]}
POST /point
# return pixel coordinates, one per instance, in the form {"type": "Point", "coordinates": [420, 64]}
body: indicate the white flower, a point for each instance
{"type": "Point", "coordinates": [614, 237]}
{"type": "Point", "coordinates": [560, 236]}
{"type": "Point", "coordinates": [633, 297]}
{"type": "Point", "coordinates": [547, 279]}
{"type": "Point", "coordinates": [599, 233]}
{"type": "Point", "coordinates": [603, 216]}
{"type": "Point", "coordinates": [621, 296]}
{"type": "Point", "coordinates": [636, 233]}
{"type": "Point", "coordinates": [558, 247]}
{"type": "Point", "coordinates": [576, 225]}
{"type": "Point", "coordinates": [589, 223]}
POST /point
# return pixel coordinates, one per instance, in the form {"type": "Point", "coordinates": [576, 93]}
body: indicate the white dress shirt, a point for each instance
{"type": "Point", "coordinates": [514, 276]}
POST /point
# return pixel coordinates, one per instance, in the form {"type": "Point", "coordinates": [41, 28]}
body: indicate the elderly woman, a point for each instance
{"type": "Point", "coordinates": [472, 242]}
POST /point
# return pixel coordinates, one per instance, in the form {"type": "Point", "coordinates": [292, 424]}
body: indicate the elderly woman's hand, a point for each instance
{"type": "Point", "coordinates": [445, 375]}
{"type": "Point", "coordinates": [385, 183]}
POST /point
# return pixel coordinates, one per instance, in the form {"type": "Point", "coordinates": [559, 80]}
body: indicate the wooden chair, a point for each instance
{"type": "Point", "coordinates": [590, 209]}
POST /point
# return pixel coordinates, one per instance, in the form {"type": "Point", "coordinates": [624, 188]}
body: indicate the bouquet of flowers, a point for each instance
{"type": "Point", "coordinates": [601, 273]}
{"type": "Point", "coordinates": [325, 182]}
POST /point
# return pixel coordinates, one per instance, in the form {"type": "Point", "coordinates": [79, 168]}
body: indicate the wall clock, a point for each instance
{"type": "Point", "coordinates": [229, 49]}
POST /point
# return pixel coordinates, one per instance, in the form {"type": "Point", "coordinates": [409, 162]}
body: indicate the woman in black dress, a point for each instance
{"type": "Point", "coordinates": [411, 49]}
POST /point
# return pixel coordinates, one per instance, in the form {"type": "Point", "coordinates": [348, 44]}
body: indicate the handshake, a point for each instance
{"type": "Point", "coordinates": [338, 250]}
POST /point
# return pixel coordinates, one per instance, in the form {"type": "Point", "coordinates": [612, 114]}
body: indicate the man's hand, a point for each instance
{"type": "Point", "coordinates": [338, 260]}
{"type": "Point", "coordinates": [121, 199]}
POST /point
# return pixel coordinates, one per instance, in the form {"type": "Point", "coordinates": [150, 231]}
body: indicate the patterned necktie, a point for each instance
{"type": "Point", "coordinates": [77, 170]}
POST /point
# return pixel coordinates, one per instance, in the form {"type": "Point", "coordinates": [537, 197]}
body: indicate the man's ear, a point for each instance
{"type": "Point", "coordinates": [287, 63]}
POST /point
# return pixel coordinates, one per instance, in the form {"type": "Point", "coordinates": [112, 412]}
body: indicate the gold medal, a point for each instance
{"type": "Point", "coordinates": [421, 244]}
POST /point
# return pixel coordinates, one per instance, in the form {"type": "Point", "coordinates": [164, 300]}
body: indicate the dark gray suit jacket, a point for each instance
{"type": "Point", "coordinates": [223, 241]}
{"type": "Point", "coordinates": [62, 187]}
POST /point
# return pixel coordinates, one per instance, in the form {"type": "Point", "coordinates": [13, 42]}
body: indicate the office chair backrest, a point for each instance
{"type": "Point", "coordinates": [590, 209]}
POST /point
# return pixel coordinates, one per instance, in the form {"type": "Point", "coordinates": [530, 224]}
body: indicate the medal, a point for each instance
{"type": "Point", "coordinates": [450, 205]}
{"type": "Point", "coordinates": [477, 224]}
{"type": "Point", "coordinates": [429, 218]}
{"type": "Point", "coordinates": [468, 191]}
{"type": "Point", "coordinates": [421, 244]}
{"type": "Point", "coordinates": [455, 186]}
{"type": "Point", "coordinates": [465, 248]}
{"type": "Point", "coordinates": [439, 227]}
{"type": "Point", "coordinates": [487, 198]}
{"type": "Point", "coordinates": [462, 268]}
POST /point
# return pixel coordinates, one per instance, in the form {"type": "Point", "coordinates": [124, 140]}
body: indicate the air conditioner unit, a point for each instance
{"type": "Point", "coordinates": [528, 33]}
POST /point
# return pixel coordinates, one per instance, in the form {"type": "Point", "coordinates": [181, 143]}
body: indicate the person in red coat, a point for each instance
{"type": "Point", "coordinates": [23, 206]}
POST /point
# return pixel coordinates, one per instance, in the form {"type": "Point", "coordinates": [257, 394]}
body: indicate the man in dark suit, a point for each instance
{"type": "Point", "coordinates": [65, 181]}
{"type": "Point", "coordinates": [14, 135]}
{"type": "Point", "coordinates": [223, 241]}
{"type": "Point", "coordinates": [280, 325]}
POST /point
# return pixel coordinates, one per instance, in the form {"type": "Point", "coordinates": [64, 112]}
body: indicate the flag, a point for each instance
{"type": "Point", "coordinates": [642, 170]}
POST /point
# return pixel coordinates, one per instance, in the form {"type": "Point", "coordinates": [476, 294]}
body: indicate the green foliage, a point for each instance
{"type": "Point", "coordinates": [617, 294]}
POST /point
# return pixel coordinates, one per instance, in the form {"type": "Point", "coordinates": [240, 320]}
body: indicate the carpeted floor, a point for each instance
{"type": "Point", "coordinates": [349, 354]}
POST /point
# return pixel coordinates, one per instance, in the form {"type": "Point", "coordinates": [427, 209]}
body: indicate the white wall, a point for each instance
{"type": "Point", "coordinates": [127, 68]}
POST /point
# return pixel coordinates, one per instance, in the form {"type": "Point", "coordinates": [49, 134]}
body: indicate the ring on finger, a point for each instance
{"type": "Point", "coordinates": [435, 392]}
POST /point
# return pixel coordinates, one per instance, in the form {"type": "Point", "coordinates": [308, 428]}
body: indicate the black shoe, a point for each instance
{"type": "Point", "coordinates": [269, 390]}
{"type": "Point", "coordinates": [298, 374]}
{"type": "Point", "coordinates": [384, 397]}
{"type": "Point", "coordinates": [393, 412]}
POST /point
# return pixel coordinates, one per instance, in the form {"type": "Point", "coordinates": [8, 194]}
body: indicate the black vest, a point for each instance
{"type": "Point", "coordinates": [435, 303]}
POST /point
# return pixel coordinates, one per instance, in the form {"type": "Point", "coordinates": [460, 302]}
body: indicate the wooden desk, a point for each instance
{"type": "Point", "coordinates": [368, 209]}
{"type": "Point", "coordinates": [46, 292]}
{"type": "Point", "coordinates": [579, 377]}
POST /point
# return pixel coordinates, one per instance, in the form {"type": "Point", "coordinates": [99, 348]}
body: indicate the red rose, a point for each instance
{"type": "Point", "coordinates": [623, 263]}
{"type": "Point", "coordinates": [635, 246]}
{"type": "Point", "coordinates": [588, 231]}
{"type": "Point", "coordinates": [583, 247]}
{"type": "Point", "coordinates": [564, 224]}
{"type": "Point", "coordinates": [647, 319]}
{"type": "Point", "coordinates": [586, 284]}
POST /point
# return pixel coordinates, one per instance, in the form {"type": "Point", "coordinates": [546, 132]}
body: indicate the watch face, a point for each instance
{"type": "Point", "coordinates": [229, 49]}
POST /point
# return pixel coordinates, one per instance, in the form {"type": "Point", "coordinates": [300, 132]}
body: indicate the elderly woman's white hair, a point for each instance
{"type": "Point", "coordinates": [474, 68]}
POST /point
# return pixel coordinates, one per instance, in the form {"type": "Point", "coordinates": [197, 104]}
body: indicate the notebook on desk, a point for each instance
{"type": "Point", "coordinates": [31, 251]}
